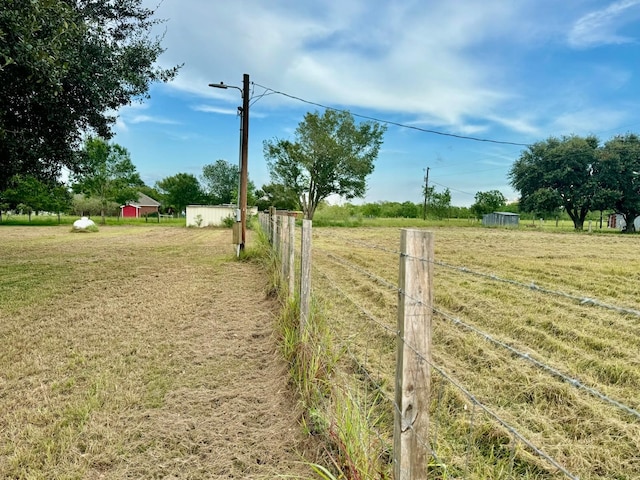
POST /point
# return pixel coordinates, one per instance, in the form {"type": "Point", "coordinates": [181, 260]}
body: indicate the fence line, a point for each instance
{"type": "Point", "coordinates": [459, 387]}
{"type": "Point", "coordinates": [524, 356]}
{"type": "Point", "coordinates": [440, 371]}
{"type": "Point", "coordinates": [421, 439]}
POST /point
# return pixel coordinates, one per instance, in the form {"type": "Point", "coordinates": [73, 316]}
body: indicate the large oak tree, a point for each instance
{"type": "Point", "coordinates": [558, 172]}
{"type": "Point", "coordinates": [66, 67]}
{"type": "Point", "coordinates": [331, 154]}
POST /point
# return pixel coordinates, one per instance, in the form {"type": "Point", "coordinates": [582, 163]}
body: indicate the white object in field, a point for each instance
{"type": "Point", "coordinates": [83, 223]}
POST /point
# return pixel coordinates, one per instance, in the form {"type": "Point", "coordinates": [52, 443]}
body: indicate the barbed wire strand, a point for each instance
{"type": "Point", "coordinates": [531, 286]}
{"type": "Point", "coordinates": [524, 356]}
{"type": "Point", "coordinates": [378, 386]}
{"type": "Point", "coordinates": [491, 414]}
{"type": "Point", "coordinates": [527, 357]}
{"type": "Point", "coordinates": [475, 401]}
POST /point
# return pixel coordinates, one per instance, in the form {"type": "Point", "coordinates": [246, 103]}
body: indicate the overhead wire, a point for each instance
{"type": "Point", "coordinates": [390, 122]}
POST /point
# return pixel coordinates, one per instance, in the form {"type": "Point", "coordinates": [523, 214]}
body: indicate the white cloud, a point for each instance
{"type": "Point", "coordinates": [588, 121]}
{"type": "Point", "coordinates": [521, 124]}
{"type": "Point", "coordinates": [601, 26]}
{"type": "Point", "coordinates": [390, 57]}
{"type": "Point", "coordinates": [212, 109]}
{"type": "Point", "coordinates": [152, 119]}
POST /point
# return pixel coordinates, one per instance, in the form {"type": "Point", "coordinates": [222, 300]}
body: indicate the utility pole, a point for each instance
{"type": "Point", "coordinates": [244, 154]}
{"type": "Point", "coordinates": [244, 172]}
{"type": "Point", "coordinates": [426, 191]}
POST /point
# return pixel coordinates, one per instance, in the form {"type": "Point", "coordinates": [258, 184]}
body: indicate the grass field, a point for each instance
{"type": "Point", "coordinates": [596, 346]}
{"type": "Point", "coordinates": [139, 352]}
{"type": "Point", "coordinates": [52, 220]}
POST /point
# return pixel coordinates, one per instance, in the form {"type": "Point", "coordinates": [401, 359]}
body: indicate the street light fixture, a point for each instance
{"type": "Point", "coordinates": [244, 153]}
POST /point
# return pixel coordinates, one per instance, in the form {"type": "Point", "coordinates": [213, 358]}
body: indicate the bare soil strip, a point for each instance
{"type": "Point", "coordinates": [139, 353]}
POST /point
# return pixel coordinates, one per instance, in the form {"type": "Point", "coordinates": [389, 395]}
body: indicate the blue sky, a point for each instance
{"type": "Point", "coordinates": [516, 71]}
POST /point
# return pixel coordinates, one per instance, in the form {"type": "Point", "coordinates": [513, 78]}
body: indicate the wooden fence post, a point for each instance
{"type": "Point", "coordinates": [413, 369]}
{"type": "Point", "coordinates": [276, 236]}
{"type": "Point", "coordinates": [305, 275]}
{"type": "Point", "coordinates": [292, 258]}
{"type": "Point", "coordinates": [272, 217]}
{"type": "Point", "coordinates": [284, 249]}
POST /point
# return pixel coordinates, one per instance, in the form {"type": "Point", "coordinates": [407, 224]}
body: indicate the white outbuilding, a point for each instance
{"type": "Point", "coordinates": [213, 215]}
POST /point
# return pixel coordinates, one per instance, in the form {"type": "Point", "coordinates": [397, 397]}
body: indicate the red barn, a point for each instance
{"type": "Point", "coordinates": [141, 207]}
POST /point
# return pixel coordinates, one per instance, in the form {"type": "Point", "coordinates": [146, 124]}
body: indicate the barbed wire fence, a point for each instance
{"type": "Point", "coordinates": [426, 399]}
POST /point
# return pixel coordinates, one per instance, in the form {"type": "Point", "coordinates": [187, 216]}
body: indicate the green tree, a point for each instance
{"type": "Point", "coordinates": [58, 200]}
{"type": "Point", "coordinates": [488, 202]}
{"type": "Point", "coordinates": [276, 195]}
{"type": "Point", "coordinates": [558, 173]}
{"type": "Point", "coordinates": [438, 203]}
{"type": "Point", "coordinates": [180, 190]}
{"type": "Point", "coordinates": [330, 155]}
{"type": "Point", "coordinates": [220, 181]}
{"type": "Point", "coordinates": [619, 178]}
{"type": "Point", "coordinates": [64, 65]}
{"type": "Point", "coordinates": [372, 210]}
{"type": "Point", "coordinates": [408, 210]}
{"type": "Point", "coordinates": [26, 194]}
{"type": "Point", "coordinates": [107, 173]}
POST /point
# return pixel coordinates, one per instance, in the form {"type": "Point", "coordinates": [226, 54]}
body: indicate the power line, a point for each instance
{"type": "Point", "coordinates": [454, 189]}
{"type": "Point", "coordinates": [389, 122]}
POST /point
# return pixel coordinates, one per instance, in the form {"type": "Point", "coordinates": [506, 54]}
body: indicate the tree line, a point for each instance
{"type": "Point", "coordinates": [579, 175]}
{"type": "Point", "coordinates": [106, 178]}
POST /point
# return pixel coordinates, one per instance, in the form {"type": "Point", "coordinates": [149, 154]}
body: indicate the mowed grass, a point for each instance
{"type": "Point", "coordinates": [138, 353]}
{"type": "Point", "coordinates": [599, 347]}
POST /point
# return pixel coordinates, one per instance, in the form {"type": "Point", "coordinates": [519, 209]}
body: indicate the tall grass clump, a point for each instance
{"type": "Point", "coordinates": [342, 417]}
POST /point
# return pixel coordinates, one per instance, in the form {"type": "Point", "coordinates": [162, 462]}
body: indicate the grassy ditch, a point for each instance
{"type": "Point", "coordinates": [343, 419]}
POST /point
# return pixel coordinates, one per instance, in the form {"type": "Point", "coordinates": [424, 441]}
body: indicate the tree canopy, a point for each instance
{"type": "Point", "coordinates": [438, 203]}
{"type": "Point", "coordinates": [618, 176]}
{"type": "Point", "coordinates": [220, 184]}
{"type": "Point", "coordinates": [106, 172]}
{"type": "Point", "coordinates": [488, 202]}
{"type": "Point", "coordinates": [558, 172]}
{"type": "Point", "coordinates": [66, 66]}
{"type": "Point", "coordinates": [180, 190]}
{"type": "Point", "coordinates": [330, 155]}
{"type": "Point", "coordinates": [30, 194]}
{"type": "Point", "coordinates": [220, 181]}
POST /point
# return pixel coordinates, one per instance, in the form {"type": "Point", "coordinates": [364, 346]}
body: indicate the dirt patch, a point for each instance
{"type": "Point", "coordinates": [140, 353]}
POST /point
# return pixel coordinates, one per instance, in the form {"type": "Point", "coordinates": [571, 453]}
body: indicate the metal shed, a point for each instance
{"type": "Point", "coordinates": [501, 219]}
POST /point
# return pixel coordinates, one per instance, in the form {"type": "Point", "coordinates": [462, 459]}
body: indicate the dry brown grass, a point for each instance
{"type": "Point", "coordinates": [139, 353]}
{"type": "Point", "coordinates": [597, 346]}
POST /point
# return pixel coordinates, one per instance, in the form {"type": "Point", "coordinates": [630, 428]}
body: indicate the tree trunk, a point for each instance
{"type": "Point", "coordinates": [578, 222]}
{"type": "Point", "coordinates": [629, 218]}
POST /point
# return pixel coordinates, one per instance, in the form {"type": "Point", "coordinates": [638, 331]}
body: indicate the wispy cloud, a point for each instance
{"type": "Point", "coordinates": [589, 121]}
{"type": "Point", "coordinates": [212, 109]}
{"type": "Point", "coordinates": [152, 119]}
{"type": "Point", "coordinates": [601, 27]}
{"type": "Point", "coordinates": [354, 56]}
